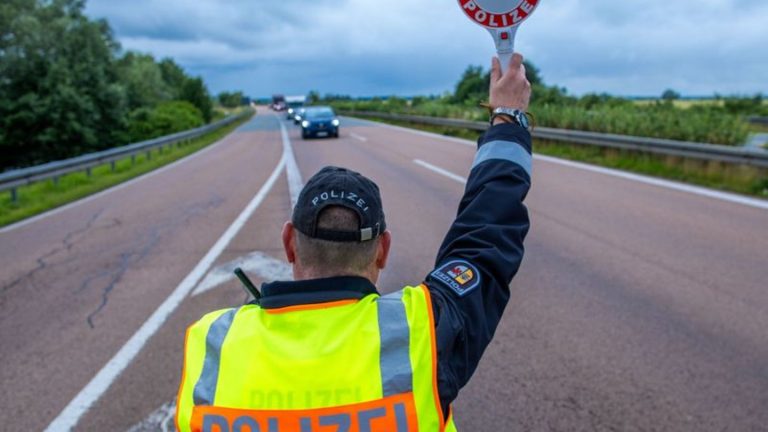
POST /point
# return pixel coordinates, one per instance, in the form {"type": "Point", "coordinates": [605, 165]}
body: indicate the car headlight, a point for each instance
{"type": "Point", "coordinates": [335, 122]}
{"type": "Point", "coordinates": [305, 124]}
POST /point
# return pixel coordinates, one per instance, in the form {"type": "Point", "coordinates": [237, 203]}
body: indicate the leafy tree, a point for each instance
{"type": "Point", "coordinates": [58, 96]}
{"type": "Point", "coordinates": [195, 92]}
{"type": "Point", "coordinates": [336, 97]}
{"type": "Point", "coordinates": [143, 80]}
{"type": "Point", "coordinates": [670, 95]}
{"type": "Point", "coordinates": [231, 100]}
{"type": "Point", "coordinates": [532, 73]}
{"type": "Point", "coordinates": [594, 100]}
{"type": "Point", "coordinates": [174, 77]}
{"type": "Point", "coordinates": [473, 86]}
{"type": "Point", "coordinates": [745, 105]}
{"type": "Point", "coordinates": [474, 83]}
{"type": "Point", "coordinates": [64, 91]}
{"type": "Point", "coordinates": [550, 95]}
{"type": "Point", "coordinates": [164, 119]}
{"type": "Point", "coordinates": [313, 97]}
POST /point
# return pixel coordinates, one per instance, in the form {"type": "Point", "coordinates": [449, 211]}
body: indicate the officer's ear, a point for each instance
{"type": "Point", "coordinates": [289, 242]}
{"type": "Point", "coordinates": [382, 252]}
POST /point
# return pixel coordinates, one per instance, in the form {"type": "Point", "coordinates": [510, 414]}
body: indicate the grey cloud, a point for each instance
{"type": "Point", "coordinates": [407, 47]}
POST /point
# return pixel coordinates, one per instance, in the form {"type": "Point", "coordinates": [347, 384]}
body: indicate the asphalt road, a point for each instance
{"type": "Point", "coordinates": [638, 307]}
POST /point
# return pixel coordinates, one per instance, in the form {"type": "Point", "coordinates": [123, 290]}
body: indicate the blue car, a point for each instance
{"type": "Point", "coordinates": [319, 121]}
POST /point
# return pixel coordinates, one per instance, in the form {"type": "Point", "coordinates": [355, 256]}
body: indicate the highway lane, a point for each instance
{"type": "Point", "coordinates": [637, 307]}
{"type": "Point", "coordinates": [77, 284]}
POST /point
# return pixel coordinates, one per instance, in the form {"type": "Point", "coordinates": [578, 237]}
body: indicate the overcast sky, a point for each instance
{"type": "Point", "coordinates": [410, 47]}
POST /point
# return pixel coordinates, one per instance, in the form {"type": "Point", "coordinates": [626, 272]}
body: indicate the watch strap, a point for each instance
{"type": "Point", "coordinates": [508, 118]}
{"type": "Point", "coordinates": [517, 116]}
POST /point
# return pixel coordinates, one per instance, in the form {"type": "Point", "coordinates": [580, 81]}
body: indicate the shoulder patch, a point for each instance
{"type": "Point", "coordinates": [459, 275]}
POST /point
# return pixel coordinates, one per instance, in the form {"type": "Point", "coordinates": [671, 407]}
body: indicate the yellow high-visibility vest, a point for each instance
{"type": "Point", "coordinates": [367, 365]}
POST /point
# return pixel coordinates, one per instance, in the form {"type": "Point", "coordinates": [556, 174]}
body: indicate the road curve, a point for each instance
{"type": "Point", "coordinates": [638, 307]}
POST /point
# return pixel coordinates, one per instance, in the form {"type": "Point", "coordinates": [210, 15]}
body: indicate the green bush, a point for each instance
{"type": "Point", "coordinates": [553, 107]}
{"type": "Point", "coordinates": [595, 113]}
{"type": "Point", "coordinates": [165, 119]}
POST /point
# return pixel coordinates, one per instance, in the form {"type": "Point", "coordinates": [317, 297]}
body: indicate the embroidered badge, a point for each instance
{"type": "Point", "coordinates": [461, 276]}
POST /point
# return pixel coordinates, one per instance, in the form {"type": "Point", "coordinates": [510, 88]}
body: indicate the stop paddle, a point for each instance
{"type": "Point", "coordinates": [501, 18]}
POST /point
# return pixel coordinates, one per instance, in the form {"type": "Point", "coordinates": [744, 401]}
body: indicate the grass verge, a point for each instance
{"type": "Point", "coordinates": [728, 177]}
{"type": "Point", "coordinates": [43, 196]}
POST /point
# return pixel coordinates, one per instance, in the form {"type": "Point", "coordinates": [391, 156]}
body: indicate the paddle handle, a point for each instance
{"type": "Point", "coordinates": [504, 38]}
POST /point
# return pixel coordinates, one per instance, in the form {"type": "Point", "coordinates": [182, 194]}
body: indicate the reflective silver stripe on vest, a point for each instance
{"type": "Point", "coordinates": [205, 389]}
{"type": "Point", "coordinates": [396, 374]}
{"type": "Point", "coordinates": [505, 150]}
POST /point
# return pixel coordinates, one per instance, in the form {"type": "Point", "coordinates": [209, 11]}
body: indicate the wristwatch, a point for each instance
{"type": "Point", "coordinates": [516, 115]}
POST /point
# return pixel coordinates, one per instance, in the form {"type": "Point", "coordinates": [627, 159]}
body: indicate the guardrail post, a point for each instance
{"type": "Point", "coordinates": [149, 155]}
{"type": "Point", "coordinates": [160, 150]}
{"type": "Point", "coordinates": [88, 172]}
{"type": "Point", "coordinates": [112, 166]}
{"type": "Point", "coordinates": [14, 196]}
{"type": "Point", "coordinates": [133, 159]}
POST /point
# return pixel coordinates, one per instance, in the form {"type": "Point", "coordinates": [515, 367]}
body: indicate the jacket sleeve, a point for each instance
{"type": "Point", "coordinates": [480, 255]}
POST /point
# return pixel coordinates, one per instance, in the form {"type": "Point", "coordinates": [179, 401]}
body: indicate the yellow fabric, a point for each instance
{"type": "Point", "coordinates": [308, 359]}
{"type": "Point", "coordinates": [302, 359]}
{"type": "Point", "coordinates": [194, 354]}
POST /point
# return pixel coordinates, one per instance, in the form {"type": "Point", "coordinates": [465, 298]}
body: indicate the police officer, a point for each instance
{"type": "Point", "coordinates": [327, 352]}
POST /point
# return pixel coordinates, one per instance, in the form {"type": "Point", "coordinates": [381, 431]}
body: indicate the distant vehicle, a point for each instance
{"type": "Point", "coordinates": [298, 115]}
{"type": "Point", "coordinates": [320, 121]}
{"type": "Point", "coordinates": [292, 103]}
{"type": "Point", "coordinates": [278, 102]}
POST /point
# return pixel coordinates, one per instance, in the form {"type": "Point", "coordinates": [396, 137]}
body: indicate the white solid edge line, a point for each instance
{"type": "Point", "coordinates": [440, 171]}
{"type": "Point", "coordinates": [291, 168]}
{"type": "Point", "coordinates": [99, 384]}
{"type": "Point", "coordinates": [682, 187]}
{"type": "Point", "coordinates": [111, 189]}
{"type": "Point", "coordinates": [668, 184]}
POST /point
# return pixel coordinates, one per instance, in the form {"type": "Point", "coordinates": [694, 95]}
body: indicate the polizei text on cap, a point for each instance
{"type": "Point", "coordinates": [340, 195]}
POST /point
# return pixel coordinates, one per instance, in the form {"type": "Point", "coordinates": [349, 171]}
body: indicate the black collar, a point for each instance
{"type": "Point", "coordinates": [283, 294]}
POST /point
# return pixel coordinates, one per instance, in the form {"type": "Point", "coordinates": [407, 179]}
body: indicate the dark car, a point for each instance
{"type": "Point", "coordinates": [290, 109]}
{"type": "Point", "coordinates": [319, 121]}
{"type": "Point", "coordinates": [298, 115]}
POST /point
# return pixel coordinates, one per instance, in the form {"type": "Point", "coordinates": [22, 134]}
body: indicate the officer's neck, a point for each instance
{"type": "Point", "coordinates": [301, 273]}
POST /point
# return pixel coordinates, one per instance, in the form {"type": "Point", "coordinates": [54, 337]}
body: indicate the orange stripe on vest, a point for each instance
{"type": "Point", "coordinates": [392, 414]}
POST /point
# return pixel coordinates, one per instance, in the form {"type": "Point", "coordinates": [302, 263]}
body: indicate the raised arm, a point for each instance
{"type": "Point", "coordinates": [483, 249]}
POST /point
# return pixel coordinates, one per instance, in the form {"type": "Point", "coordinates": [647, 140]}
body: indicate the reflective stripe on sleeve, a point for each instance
{"type": "Point", "coordinates": [504, 150]}
{"type": "Point", "coordinates": [395, 361]}
{"type": "Point", "coordinates": [205, 389]}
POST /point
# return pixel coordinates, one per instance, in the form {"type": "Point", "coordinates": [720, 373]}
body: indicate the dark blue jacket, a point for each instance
{"type": "Point", "coordinates": [487, 236]}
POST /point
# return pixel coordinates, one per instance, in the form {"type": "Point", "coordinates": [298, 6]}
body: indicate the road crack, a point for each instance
{"type": "Point", "coordinates": [128, 259]}
{"type": "Point", "coordinates": [67, 243]}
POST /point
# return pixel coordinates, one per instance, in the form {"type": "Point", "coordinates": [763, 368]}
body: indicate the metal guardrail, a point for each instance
{"type": "Point", "coordinates": [763, 121]}
{"type": "Point", "coordinates": [708, 152]}
{"type": "Point", "coordinates": [11, 180]}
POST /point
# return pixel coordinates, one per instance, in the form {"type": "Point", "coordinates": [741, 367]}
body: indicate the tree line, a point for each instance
{"type": "Point", "coordinates": [66, 87]}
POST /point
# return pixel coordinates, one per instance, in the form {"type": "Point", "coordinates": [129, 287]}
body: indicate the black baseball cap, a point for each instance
{"type": "Point", "coordinates": [334, 186]}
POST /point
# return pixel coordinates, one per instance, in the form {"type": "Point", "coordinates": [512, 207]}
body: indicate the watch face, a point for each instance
{"type": "Point", "coordinates": [523, 119]}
